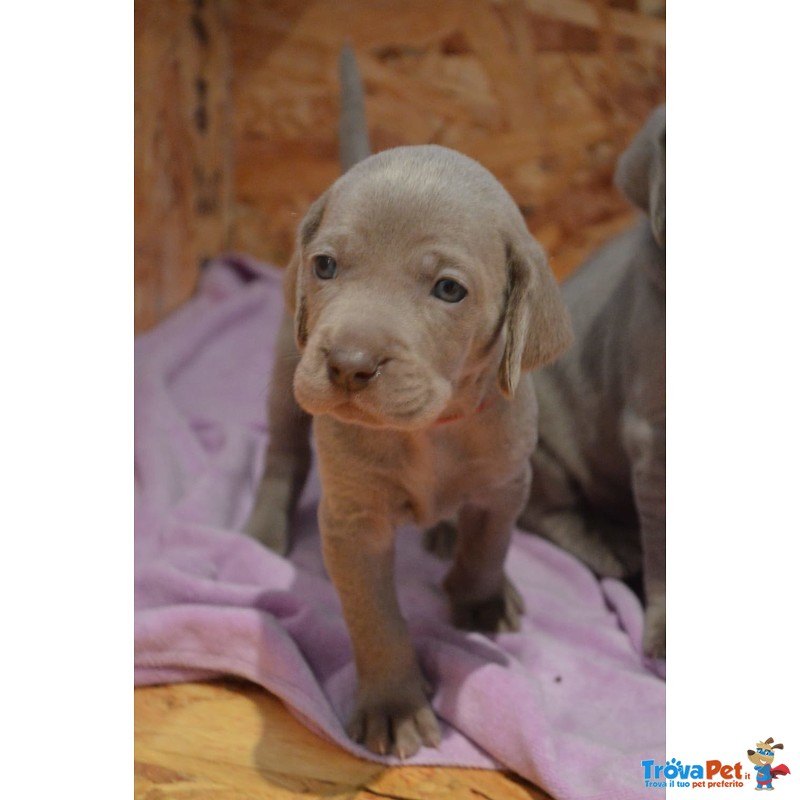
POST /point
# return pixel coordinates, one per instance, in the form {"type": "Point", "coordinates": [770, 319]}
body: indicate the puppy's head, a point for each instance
{"type": "Point", "coordinates": [641, 172]}
{"type": "Point", "coordinates": [415, 286]}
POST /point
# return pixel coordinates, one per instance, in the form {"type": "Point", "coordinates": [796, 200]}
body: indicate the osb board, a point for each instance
{"type": "Point", "coordinates": [182, 141]}
{"type": "Point", "coordinates": [544, 93]}
{"type": "Point", "coordinates": [232, 740]}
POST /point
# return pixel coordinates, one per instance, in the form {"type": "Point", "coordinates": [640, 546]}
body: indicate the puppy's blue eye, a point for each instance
{"type": "Point", "coordinates": [324, 267]}
{"type": "Point", "coordinates": [449, 290]}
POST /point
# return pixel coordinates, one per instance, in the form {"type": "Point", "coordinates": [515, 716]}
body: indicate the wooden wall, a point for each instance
{"type": "Point", "coordinates": [236, 105]}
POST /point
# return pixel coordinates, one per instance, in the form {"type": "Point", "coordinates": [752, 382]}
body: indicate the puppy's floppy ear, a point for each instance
{"type": "Point", "coordinates": [293, 277]}
{"type": "Point", "coordinates": [641, 172]}
{"type": "Point", "coordinates": [537, 325]}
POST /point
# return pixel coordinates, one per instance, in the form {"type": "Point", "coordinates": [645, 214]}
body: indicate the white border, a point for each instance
{"type": "Point", "coordinates": [66, 73]}
{"type": "Point", "coordinates": [733, 330]}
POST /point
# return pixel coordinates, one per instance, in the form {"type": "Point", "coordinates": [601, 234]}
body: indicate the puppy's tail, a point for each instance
{"type": "Point", "coordinates": [353, 135]}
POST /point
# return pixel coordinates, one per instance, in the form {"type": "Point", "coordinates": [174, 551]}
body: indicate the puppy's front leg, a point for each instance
{"type": "Point", "coordinates": [481, 596]}
{"type": "Point", "coordinates": [392, 714]}
{"type": "Point", "coordinates": [288, 457]}
{"type": "Point", "coordinates": [646, 443]}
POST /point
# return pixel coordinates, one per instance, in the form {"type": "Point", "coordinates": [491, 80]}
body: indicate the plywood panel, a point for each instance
{"type": "Point", "coordinates": [234, 741]}
{"type": "Point", "coordinates": [182, 148]}
{"type": "Point", "coordinates": [545, 94]}
{"type": "Point", "coordinates": [236, 104]}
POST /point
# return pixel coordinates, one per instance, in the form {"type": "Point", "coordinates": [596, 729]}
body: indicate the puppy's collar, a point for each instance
{"type": "Point", "coordinates": [456, 417]}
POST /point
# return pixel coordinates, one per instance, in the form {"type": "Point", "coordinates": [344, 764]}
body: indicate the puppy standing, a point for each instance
{"type": "Point", "coordinates": [599, 469]}
{"type": "Point", "coordinates": [420, 304]}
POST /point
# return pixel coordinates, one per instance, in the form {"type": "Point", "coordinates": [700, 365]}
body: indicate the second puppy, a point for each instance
{"type": "Point", "coordinates": [599, 487]}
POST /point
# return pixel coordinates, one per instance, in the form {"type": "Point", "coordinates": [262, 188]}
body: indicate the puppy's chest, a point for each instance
{"type": "Point", "coordinates": [421, 478]}
{"type": "Point", "coordinates": [447, 473]}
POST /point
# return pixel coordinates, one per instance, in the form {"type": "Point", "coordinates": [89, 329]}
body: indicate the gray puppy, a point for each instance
{"type": "Point", "coordinates": [419, 304]}
{"type": "Point", "coordinates": [599, 469]}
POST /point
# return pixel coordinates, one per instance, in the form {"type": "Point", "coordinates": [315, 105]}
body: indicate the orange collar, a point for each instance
{"type": "Point", "coordinates": [456, 417]}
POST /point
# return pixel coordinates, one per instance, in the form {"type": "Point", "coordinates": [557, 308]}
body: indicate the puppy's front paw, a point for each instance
{"type": "Point", "coordinates": [499, 613]}
{"type": "Point", "coordinates": [394, 721]}
{"type": "Point", "coordinates": [654, 638]}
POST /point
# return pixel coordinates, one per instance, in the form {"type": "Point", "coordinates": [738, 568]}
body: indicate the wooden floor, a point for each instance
{"type": "Point", "coordinates": [232, 740]}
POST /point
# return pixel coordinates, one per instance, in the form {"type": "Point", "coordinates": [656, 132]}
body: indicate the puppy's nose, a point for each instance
{"type": "Point", "coordinates": [351, 368]}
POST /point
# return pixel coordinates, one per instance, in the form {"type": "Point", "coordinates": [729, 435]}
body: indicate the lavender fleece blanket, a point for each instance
{"type": "Point", "coordinates": [568, 702]}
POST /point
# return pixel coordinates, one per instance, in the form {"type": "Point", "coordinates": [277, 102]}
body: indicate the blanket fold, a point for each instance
{"type": "Point", "coordinates": [571, 687]}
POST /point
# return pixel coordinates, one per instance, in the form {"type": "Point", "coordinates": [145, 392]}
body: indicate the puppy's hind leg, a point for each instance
{"type": "Point", "coordinates": [646, 443]}
{"type": "Point", "coordinates": [557, 511]}
{"type": "Point", "coordinates": [288, 456]}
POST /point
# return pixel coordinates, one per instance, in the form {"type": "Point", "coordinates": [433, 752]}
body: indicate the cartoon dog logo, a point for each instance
{"type": "Point", "coordinates": [762, 757]}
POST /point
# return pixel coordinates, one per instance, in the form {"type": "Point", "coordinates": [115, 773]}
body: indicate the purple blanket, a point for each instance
{"type": "Point", "coordinates": [567, 702]}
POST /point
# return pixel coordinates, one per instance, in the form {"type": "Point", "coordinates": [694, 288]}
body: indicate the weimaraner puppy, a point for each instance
{"type": "Point", "coordinates": [420, 304]}
{"type": "Point", "coordinates": [599, 469]}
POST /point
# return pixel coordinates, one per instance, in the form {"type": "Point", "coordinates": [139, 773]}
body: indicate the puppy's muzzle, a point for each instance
{"type": "Point", "coordinates": [352, 367]}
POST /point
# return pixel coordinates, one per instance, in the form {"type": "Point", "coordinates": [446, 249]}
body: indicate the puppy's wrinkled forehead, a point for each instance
{"type": "Point", "coordinates": [407, 196]}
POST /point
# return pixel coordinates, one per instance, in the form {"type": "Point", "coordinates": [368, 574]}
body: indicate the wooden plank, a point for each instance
{"type": "Point", "coordinates": [182, 148]}
{"type": "Point", "coordinates": [232, 740]}
{"type": "Point", "coordinates": [547, 115]}
{"type": "Point", "coordinates": [623, 23]}
{"type": "Point", "coordinates": [545, 93]}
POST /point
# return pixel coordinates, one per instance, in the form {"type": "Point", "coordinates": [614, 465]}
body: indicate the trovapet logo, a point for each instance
{"type": "Point", "coordinates": [692, 776]}
{"type": "Point", "coordinates": [762, 757]}
{"type": "Point", "coordinates": [716, 774]}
